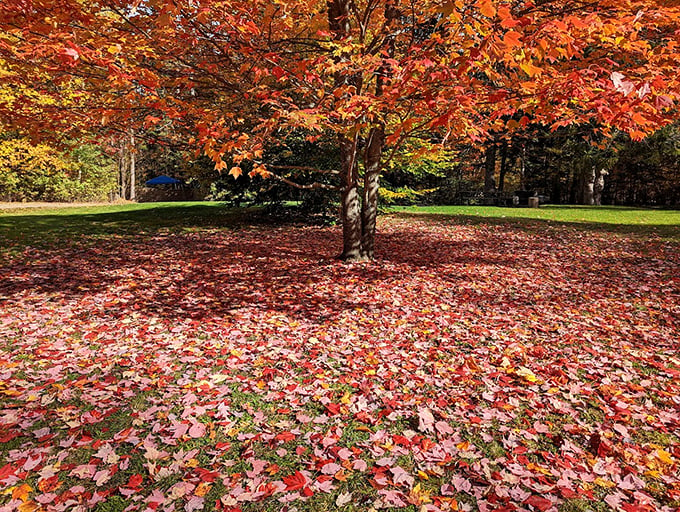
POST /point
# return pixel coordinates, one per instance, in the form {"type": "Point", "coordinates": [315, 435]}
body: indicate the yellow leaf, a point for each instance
{"type": "Point", "coordinates": [346, 398]}
{"type": "Point", "coordinates": [608, 484]}
{"type": "Point", "coordinates": [530, 69]}
{"type": "Point", "coordinates": [527, 374]}
{"type": "Point", "coordinates": [664, 456]}
{"type": "Point", "coordinates": [464, 446]}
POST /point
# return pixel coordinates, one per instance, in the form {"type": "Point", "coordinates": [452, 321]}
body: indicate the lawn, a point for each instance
{"type": "Point", "coordinates": [190, 357]}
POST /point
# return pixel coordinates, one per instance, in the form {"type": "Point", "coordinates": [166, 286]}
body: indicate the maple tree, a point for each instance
{"type": "Point", "coordinates": [235, 75]}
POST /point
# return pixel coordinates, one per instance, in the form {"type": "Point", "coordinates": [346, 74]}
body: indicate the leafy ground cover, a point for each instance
{"type": "Point", "coordinates": [184, 358]}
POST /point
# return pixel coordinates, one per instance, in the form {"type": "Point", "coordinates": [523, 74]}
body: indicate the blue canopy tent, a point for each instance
{"type": "Point", "coordinates": [162, 180]}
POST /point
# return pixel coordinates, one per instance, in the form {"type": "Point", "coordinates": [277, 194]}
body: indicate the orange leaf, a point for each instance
{"type": "Point", "coordinates": [21, 492]}
{"type": "Point", "coordinates": [512, 39]}
{"type": "Point", "coordinates": [202, 489]}
{"type": "Point", "coordinates": [29, 506]}
{"type": "Point", "coordinates": [486, 8]}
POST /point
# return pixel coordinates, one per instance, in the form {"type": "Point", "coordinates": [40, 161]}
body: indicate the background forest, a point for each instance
{"type": "Point", "coordinates": [562, 167]}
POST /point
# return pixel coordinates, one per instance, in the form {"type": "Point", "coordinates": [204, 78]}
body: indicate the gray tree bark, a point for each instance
{"type": "Point", "coordinates": [133, 168]}
{"type": "Point", "coordinates": [358, 213]}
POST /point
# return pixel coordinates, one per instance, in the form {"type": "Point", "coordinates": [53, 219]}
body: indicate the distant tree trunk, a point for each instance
{"type": "Point", "coordinates": [504, 166]}
{"type": "Point", "coordinates": [489, 170]}
{"type": "Point", "coordinates": [556, 192]}
{"type": "Point", "coordinates": [523, 168]}
{"type": "Point", "coordinates": [589, 187]}
{"type": "Point", "coordinates": [599, 186]}
{"type": "Point", "coordinates": [122, 179]}
{"type": "Point", "coordinates": [133, 169]}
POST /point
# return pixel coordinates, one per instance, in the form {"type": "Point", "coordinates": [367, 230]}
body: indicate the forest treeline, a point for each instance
{"type": "Point", "coordinates": [568, 166]}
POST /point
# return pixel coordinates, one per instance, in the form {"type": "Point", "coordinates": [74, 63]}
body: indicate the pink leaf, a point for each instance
{"type": "Point", "coordinates": [331, 468]}
{"type": "Point", "coordinates": [443, 428]}
{"type": "Point", "coordinates": [197, 430]}
{"type": "Point", "coordinates": [425, 420]}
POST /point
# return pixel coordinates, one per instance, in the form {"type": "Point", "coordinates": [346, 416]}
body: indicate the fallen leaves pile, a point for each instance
{"type": "Point", "coordinates": [472, 367]}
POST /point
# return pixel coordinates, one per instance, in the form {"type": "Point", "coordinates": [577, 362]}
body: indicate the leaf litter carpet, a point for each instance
{"type": "Point", "coordinates": [471, 367]}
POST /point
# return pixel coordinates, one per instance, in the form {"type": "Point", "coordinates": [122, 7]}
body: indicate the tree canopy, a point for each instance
{"type": "Point", "coordinates": [229, 77]}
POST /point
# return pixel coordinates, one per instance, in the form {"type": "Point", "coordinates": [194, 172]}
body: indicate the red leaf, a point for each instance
{"type": "Point", "coordinates": [295, 482]}
{"type": "Point", "coordinates": [135, 481]}
{"type": "Point", "coordinates": [538, 503]}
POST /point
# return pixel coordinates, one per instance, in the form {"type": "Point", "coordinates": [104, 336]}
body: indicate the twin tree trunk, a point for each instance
{"type": "Point", "coordinates": [359, 208]}
{"type": "Point", "coordinates": [359, 205]}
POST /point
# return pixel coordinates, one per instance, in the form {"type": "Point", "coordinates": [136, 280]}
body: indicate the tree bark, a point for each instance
{"type": "Point", "coordinates": [350, 209]}
{"type": "Point", "coordinates": [589, 187]}
{"type": "Point", "coordinates": [122, 179]}
{"type": "Point", "coordinates": [350, 205]}
{"type": "Point", "coordinates": [599, 186]}
{"type": "Point", "coordinates": [369, 210]}
{"type": "Point", "coordinates": [504, 166]}
{"type": "Point", "coordinates": [359, 214]}
{"type": "Point", "coordinates": [489, 170]}
{"type": "Point", "coordinates": [133, 169]}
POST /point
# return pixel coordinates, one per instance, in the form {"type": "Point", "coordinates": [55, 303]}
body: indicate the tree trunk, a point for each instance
{"type": "Point", "coordinates": [133, 169]}
{"type": "Point", "coordinates": [504, 166]}
{"type": "Point", "coordinates": [350, 209]}
{"type": "Point", "coordinates": [350, 205]}
{"type": "Point", "coordinates": [489, 170]}
{"type": "Point", "coordinates": [369, 209]}
{"type": "Point", "coordinates": [589, 187]}
{"type": "Point", "coordinates": [358, 215]}
{"type": "Point", "coordinates": [523, 168]}
{"type": "Point", "coordinates": [599, 186]}
{"type": "Point", "coordinates": [122, 180]}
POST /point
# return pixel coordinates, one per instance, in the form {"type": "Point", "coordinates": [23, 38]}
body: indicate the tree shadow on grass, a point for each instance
{"type": "Point", "coordinates": [18, 229]}
{"type": "Point", "coordinates": [286, 270]}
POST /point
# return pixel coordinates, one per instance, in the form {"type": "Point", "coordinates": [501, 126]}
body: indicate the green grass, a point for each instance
{"type": "Point", "coordinates": [618, 219]}
{"type": "Point", "coordinates": [45, 226]}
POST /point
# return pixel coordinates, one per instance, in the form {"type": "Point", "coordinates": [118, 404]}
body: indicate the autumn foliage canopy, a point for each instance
{"type": "Point", "coordinates": [231, 77]}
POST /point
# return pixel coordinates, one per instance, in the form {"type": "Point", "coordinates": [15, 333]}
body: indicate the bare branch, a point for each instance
{"type": "Point", "coordinates": [302, 168]}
